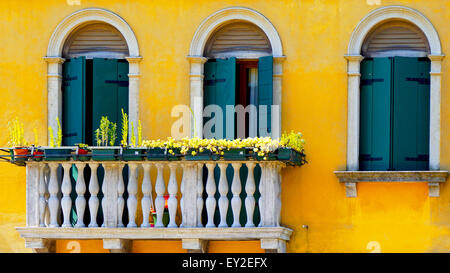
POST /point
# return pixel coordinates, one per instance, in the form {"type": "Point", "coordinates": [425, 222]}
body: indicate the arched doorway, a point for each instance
{"type": "Point", "coordinates": [63, 43]}
{"type": "Point", "coordinates": [95, 81]}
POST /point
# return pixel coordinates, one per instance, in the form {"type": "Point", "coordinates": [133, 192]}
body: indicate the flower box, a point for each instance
{"type": "Point", "coordinates": [19, 154]}
{"type": "Point", "coordinates": [235, 154]}
{"type": "Point", "coordinates": [285, 154]}
{"type": "Point", "coordinates": [38, 154]}
{"type": "Point", "coordinates": [133, 154]}
{"type": "Point", "coordinates": [204, 155]}
{"type": "Point", "coordinates": [57, 154]}
{"type": "Point", "coordinates": [175, 156]}
{"type": "Point", "coordinates": [81, 154]}
{"type": "Point", "coordinates": [104, 153]}
{"type": "Point", "coordinates": [156, 154]}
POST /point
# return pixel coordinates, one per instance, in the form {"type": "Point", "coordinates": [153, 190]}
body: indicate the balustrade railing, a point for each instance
{"type": "Point", "coordinates": [121, 195]}
{"type": "Point", "coordinates": [61, 190]}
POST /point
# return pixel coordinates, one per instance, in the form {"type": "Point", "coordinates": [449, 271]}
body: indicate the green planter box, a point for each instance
{"type": "Point", "coordinates": [285, 154]}
{"type": "Point", "coordinates": [235, 154]}
{"type": "Point", "coordinates": [104, 154]}
{"type": "Point", "coordinates": [156, 154]}
{"type": "Point", "coordinates": [205, 155]}
{"type": "Point", "coordinates": [57, 154]}
{"type": "Point", "coordinates": [133, 154]}
{"type": "Point", "coordinates": [171, 157]}
{"type": "Point", "coordinates": [269, 157]}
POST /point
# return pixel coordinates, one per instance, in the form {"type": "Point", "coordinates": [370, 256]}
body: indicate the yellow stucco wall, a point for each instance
{"type": "Point", "coordinates": [315, 33]}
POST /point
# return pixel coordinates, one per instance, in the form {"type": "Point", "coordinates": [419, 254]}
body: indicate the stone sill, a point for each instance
{"type": "Point", "coordinates": [351, 178]}
{"type": "Point", "coordinates": [42, 239]}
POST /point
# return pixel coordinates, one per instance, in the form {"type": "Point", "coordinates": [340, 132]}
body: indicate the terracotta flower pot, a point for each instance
{"type": "Point", "coordinates": [20, 153]}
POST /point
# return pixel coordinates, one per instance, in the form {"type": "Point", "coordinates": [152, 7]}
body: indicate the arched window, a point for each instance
{"type": "Point", "coordinates": [95, 81]}
{"type": "Point", "coordinates": [394, 99]}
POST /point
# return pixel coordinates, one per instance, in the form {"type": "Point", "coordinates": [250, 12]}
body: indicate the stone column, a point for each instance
{"type": "Point", "coordinates": [354, 75]}
{"type": "Point", "coordinates": [133, 90]}
{"type": "Point", "coordinates": [435, 110]}
{"type": "Point", "coordinates": [196, 94]}
{"type": "Point", "coordinates": [54, 94]}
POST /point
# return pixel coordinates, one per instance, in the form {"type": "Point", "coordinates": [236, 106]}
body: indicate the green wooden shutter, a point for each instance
{"type": "Point", "coordinates": [265, 92]}
{"type": "Point", "coordinates": [74, 98]}
{"type": "Point", "coordinates": [375, 114]}
{"type": "Point", "coordinates": [226, 92]}
{"type": "Point", "coordinates": [411, 114]}
{"type": "Point", "coordinates": [110, 92]}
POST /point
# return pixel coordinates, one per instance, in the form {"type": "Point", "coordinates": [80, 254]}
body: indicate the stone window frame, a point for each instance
{"type": "Point", "coordinates": [353, 56]}
{"type": "Point", "coordinates": [54, 59]}
{"type": "Point", "coordinates": [434, 177]}
{"type": "Point", "coordinates": [196, 60]}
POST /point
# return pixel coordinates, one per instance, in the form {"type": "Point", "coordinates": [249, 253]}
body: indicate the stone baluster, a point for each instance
{"type": "Point", "coordinates": [236, 189]}
{"type": "Point", "coordinates": [160, 189]}
{"type": "Point", "coordinates": [182, 194]}
{"type": "Point", "coordinates": [42, 191]}
{"type": "Point", "coordinates": [66, 189]}
{"type": "Point", "coordinates": [80, 202]}
{"type": "Point", "coordinates": [53, 189]}
{"type": "Point", "coordinates": [172, 188]}
{"type": "Point", "coordinates": [250, 190]}
{"type": "Point", "coordinates": [223, 190]}
{"type": "Point", "coordinates": [120, 199]}
{"type": "Point", "coordinates": [262, 187]}
{"type": "Point", "coordinates": [132, 191]}
{"type": "Point", "coordinates": [199, 194]}
{"type": "Point", "coordinates": [146, 201]}
{"type": "Point", "coordinates": [210, 190]}
{"type": "Point", "coordinates": [93, 190]}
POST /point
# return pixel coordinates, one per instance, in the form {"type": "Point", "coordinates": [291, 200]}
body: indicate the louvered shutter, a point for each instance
{"type": "Point", "coordinates": [411, 114]}
{"type": "Point", "coordinates": [110, 91]}
{"type": "Point", "coordinates": [74, 99]}
{"type": "Point", "coordinates": [375, 114]}
{"type": "Point", "coordinates": [265, 94]}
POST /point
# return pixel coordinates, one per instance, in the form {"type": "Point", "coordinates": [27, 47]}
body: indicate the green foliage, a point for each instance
{"type": "Point", "coordinates": [16, 133]}
{"type": "Point", "coordinates": [106, 134]}
{"type": "Point", "coordinates": [293, 140]}
{"type": "Point", "coordinates": [139, 133]}
{"type": "Point", "coordinates": [124, 141]}
{"type": "Point", "coordinates": [133, 136]}
{"type": "Point", "coordinates": [55, 141]}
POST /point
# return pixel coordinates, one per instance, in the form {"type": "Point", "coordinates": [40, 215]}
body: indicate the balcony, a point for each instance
{"type": "Point", "coordinates": [195, 200]}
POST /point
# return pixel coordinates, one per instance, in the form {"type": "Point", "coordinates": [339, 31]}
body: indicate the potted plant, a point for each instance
{"type": "Point", "coordinates": [55, 152]}
{"type": "Point", "coordinates": [82, 152]}
{"type": "Point", "coordinates": [199, 149]}
{"type": "Point", "coordinates": [235, 149]}
{"type": "Point", "coordinates": [105, 137]}
{"type": "Point", "coordinates": [19, 151]}
{"type": "Point", "coordinates": [173, 149]}
{"type": "Point", "coordinates": [131, 152]}
{"type": "Point", "coordinates": [291, 148]}
{"type": "Point", "coordinates": [156, 149]}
